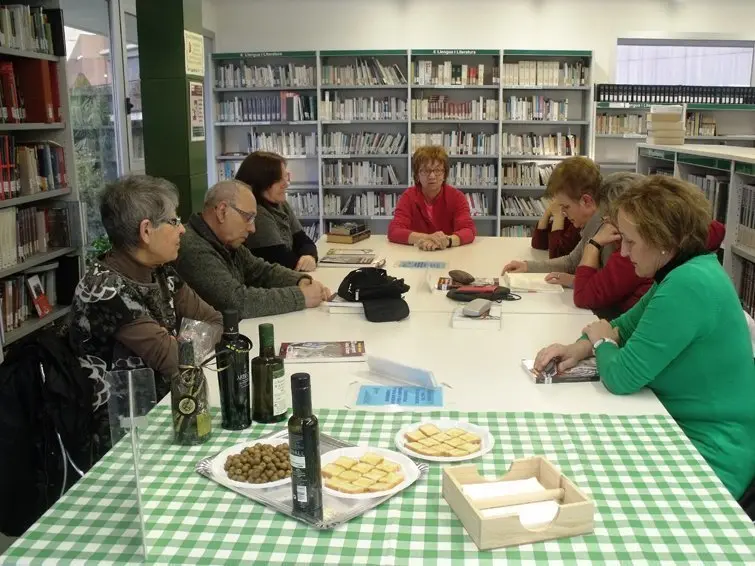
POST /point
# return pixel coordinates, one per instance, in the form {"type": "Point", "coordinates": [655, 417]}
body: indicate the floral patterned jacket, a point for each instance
{"type": "Point", "coordinates": [126, 316]}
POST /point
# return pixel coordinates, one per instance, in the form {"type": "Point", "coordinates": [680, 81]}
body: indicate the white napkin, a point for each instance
{"type": "Point", "coordinates": [531, 515]}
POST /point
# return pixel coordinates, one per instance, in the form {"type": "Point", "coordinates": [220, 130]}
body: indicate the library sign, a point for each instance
{"type": "Point", "coordinates": [455, 52]}
{"type": "Point", "coordinates": [261, 54]}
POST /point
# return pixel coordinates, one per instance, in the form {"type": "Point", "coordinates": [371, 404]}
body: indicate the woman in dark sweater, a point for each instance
{"type": "Point", "coordinates": [278, 237]}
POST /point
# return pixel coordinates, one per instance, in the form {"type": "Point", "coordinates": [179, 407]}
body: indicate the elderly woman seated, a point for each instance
{"type": "Point", "coordinates": [128, 307]}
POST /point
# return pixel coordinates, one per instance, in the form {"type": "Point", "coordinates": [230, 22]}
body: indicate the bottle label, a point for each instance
{"type": "Point", "coordinates": [298, 468]}
{"type": "Point", "coordinates": [242, 379]}
{"type": "Point", "coordinates": [279, 392]}
{"type": "Point", "coordinates": [187, 405]}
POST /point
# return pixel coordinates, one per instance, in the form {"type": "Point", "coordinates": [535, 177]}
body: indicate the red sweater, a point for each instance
{"type": "Point", "coordinates": [557, 242]}
{"type": "Point", "coordinates": [450, 216]}
{"type": "Point", "coordinates": [616, 287]}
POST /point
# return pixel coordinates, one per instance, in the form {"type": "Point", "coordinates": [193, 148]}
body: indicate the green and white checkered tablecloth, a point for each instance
{"type": "Point", "coordinates": [656, 502]}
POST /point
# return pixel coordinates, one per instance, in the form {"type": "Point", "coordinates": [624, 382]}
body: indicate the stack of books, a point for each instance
{"type": "Point", "coordinates": [666, 125]}
{"type": "Point", "coordinates": [348, 233]}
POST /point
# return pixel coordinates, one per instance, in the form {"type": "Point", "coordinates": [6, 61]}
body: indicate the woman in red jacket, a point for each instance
{"type": "Point", "coordinates": [614, 289]}
{"type": "Point", "coordinates": [555, 232]}
{"type": "Point", "coordinates": [432, 215]}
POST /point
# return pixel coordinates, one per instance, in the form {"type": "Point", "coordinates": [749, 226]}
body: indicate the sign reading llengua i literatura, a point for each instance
{"type": "Point", "coordinates": [455, 51]}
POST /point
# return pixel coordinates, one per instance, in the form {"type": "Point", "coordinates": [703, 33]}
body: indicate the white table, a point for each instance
{"type": "Point", "coordinates": [485, 257]}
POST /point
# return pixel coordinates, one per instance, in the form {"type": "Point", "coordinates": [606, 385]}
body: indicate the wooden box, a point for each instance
{"type": "Point", "coordinates": [575, 515]}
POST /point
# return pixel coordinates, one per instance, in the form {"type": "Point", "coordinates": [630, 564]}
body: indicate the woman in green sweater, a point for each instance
{"type": "Point", "coordinates": [687, 338]}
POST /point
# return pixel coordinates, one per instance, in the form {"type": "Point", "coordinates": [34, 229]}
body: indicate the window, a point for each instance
{"type": "Point", "coordinates": [684, 62]}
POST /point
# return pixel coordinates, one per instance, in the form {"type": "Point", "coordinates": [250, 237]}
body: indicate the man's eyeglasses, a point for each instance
{"type": "Point", "coordinates": [247, 216]}
{"type": "Point", "coordinates": [427, 172]}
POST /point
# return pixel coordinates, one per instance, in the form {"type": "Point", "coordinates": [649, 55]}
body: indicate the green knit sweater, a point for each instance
{"type": "Point", "coordinates": [688, 341]}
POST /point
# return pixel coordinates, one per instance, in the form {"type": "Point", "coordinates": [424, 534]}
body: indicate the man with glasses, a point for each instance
{"type": "Point", "coordinates": [432, 215]}
{"type": "Point", "coordinates": [217, 265]}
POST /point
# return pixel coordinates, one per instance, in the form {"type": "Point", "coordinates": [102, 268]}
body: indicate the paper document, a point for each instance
{"type": "Point", "coordinates": [380, 395]}
{"type": "Point", "coordinates": [530, 283]}
{"type": "Point", "coordinates": [411, 264]}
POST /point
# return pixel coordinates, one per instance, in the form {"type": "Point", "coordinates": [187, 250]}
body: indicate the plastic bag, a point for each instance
{"type": "Point", "coordinates": [202, 335]}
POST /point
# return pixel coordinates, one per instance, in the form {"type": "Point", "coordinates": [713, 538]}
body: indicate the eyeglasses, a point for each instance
{"type": "Point", "coordinates": [427, 172]}
{"type": "Point", "coordinates": [247, 216]}
{"type": "Point", "coordinates": [175, 221]}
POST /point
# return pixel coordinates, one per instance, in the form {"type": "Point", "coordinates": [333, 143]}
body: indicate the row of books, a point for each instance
{"type": "Point", "coordinates": [447, 73]}
{"type": "Point", "coordinates": [362, 143]}
{"type": "Point", "coordinates": [523, 206]}
{"type": "Point", "coordinates": [531, 144]}
{"type": "Point", "coordinates": [334, 107]}
{"type": "Point", "coordinates": [620, 124]}
{"type": "Point", "coordinates": [699, 124]}
{"type": "Point", "coordinates": [545, 73]}
{"type": "Point", "coordinates": [28, 168]}
{"type": "Point", "coordinates": [746, 232]}
{"type": "Point", "coordinates": [31, 294]}
{"type": "Point", "coordinates": [239, 74]}
{"type": "Point", "coordinates": [526, 174]}
{"type": "Point", "coordinates": [479, 203]}
{"type": "Point", "coordinates": [443, 108]}
{"type": "Point", "coordinates": [25, 232]}
{"type": "Point", "coordinates": [29, 91]}
{"type": "Point", "coordinates": [716, 190]}
{"type": "Point", "coordinates": [227, 169]}
{"type": "Point", "coordinates": [676, 94]}
{"type": "Point", "coordinates": [358, 173]}
{"type": "Point", "coordinates": [287, 143]}
{"type": "Point", "coordinates": [287, 106]}
{"type": "Point", "coordinates": [473, 175]}
{"type": "Point", "coordinates": [304, 204]}
{"type": "Point", "coordinates": [747, 287]}
{"type": "Point", "coordinates": [516, 231]}
{"type": "Point", "coordinates": [25, 28]}
{"type": "Point", "coordinates": [367, 71]}
{"type": "Point", "coordinates": [312, 230]}
{"type": "Point", "coordinates": [459, 142]}
{"type": "Point", "coordinates": [535, 108]}
{"type": "Point", "coordinates": [369, 203]}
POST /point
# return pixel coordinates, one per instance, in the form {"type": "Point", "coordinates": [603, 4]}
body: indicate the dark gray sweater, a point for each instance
{"type": "Point", "coordinates": [235, 279]}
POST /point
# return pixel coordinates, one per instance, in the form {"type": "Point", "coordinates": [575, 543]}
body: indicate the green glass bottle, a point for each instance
{"type": "Point", "coordinates": [304, 450]}
{"type": "Point", "coordinates": [192, 422]}
{"type": "Point", "coordinates": [269, 404]}
{"type": "Point", "coordinates": [233, 377]}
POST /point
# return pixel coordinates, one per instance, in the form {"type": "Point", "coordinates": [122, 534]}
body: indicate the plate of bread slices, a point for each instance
{"type": "Point", "coordinates": [444, 440]}
{"type": "Point", "coordinates": [363, 472]}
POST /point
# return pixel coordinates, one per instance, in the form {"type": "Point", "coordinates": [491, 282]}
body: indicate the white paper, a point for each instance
{"type": "Point", "coordinates": [530, 283]}
{"type": "Point", "coordinates": [531, 515]}
{"type": "Point", "coordinates": [402, 373]}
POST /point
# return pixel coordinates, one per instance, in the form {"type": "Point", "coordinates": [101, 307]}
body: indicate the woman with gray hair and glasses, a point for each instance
{"type": "Point", "coordinates": [128, 307]}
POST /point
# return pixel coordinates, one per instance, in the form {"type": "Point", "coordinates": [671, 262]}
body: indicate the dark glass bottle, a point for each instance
{"type": "Point", "coordinates": [304, 450]}
{"type": "Point", "coordinates": [192, 422]}
{"type": "Point", "coordinates": [269, 404]}
{"type": "Point", "coordinates": [233, 375]}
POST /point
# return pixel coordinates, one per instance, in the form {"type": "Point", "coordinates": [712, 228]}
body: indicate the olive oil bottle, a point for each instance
{"type": "Point", "coordinates": [304, 449]}
{"type": "Point", "coordinates": [233, 375]}
{"type": "Point", "coordinates": [269, 403]}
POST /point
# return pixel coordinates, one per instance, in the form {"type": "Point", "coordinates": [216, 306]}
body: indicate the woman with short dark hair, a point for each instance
{"type": "Point", "coordinates": [279, 237]}
{"type": "Point", "coordinates": [128, 307]}
{"type": "Point", "coordinates": [686, 338]}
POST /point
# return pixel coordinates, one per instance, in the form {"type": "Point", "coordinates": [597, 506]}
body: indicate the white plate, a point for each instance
{"type": "Point", "coordinates": [408, 468]}
{"type": "Point", "coordinates": [218, 464]}
{"type": "Point", "coordinates": [486, 440]}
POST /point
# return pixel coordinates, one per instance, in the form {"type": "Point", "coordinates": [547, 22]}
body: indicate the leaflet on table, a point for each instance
{"type": "Point", "coordinates": [314, 352]}
{"type": "Point", "coordinates": [382, 395]}
{"type": "Point", "coordinates": [446, 284]}
{"type": "Point", "coordinates": [413, 264]}
{"type": "Point", "coordinates": [530, 283]}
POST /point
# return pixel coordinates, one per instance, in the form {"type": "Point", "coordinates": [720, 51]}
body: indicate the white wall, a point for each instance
{"type": "Point", "coordinates": [209, 13]}
{"type": "Point", "coordinates": [246, 25]}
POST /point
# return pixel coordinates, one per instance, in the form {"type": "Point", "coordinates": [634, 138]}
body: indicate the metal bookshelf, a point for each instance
{"type": "Point", "coordinates": [456, 82]}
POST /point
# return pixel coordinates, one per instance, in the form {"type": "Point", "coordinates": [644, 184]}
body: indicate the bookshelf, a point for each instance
{"type": "Point", "coordinates": [41, 225]}
{"type": "Point", "coordinates": [727, 176]}
{"type": "Point", "coordinates": [375, 107]}
{"type": "Point", "coordinates": [619, 118]}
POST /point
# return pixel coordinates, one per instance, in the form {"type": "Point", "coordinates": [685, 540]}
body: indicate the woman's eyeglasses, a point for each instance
{"type": "Point", "coordinates": [175, 221]}
{"type": "Point", "coordinates": [427, 172]}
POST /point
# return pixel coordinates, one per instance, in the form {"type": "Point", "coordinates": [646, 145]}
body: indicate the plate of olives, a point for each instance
{"type": "Point", "coordinates": [258, 464]}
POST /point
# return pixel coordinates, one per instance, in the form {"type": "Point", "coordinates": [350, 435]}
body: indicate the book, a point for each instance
{"type": "Point", "coordinates": [317, 352]}
{"type": "Point", "coordinates": [38, 297]}
{"type": "Point", "coordinates": [348, 239]}
{"type": "Point", "coordinates": [530, 283]}
{"type": "Point", "coordinates": [347, 257]}
{"type": "Point", "coordinates": [492, 320]}
{"type": "Point", "coordinates": [339, 305]}
{"type": "Point", "coordinates": [586, 370]}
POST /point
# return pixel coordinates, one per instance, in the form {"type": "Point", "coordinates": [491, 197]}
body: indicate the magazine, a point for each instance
{"type": "Point", "coordinates": [586, 370]}
{"type": "Point", "coordinates": [446, 283]}
{"type": "Point", "coordinates": [315, 352]}
{"type": "Point", "coordinates": [345, 257]}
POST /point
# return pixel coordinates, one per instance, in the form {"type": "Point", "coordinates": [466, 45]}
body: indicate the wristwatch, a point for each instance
{"type": "Point", "coordinates": [450, 242]}
{"type": "Point", "coordinates": [596, 244]}
{"type": "Point", "coordinates": [600, 341]}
